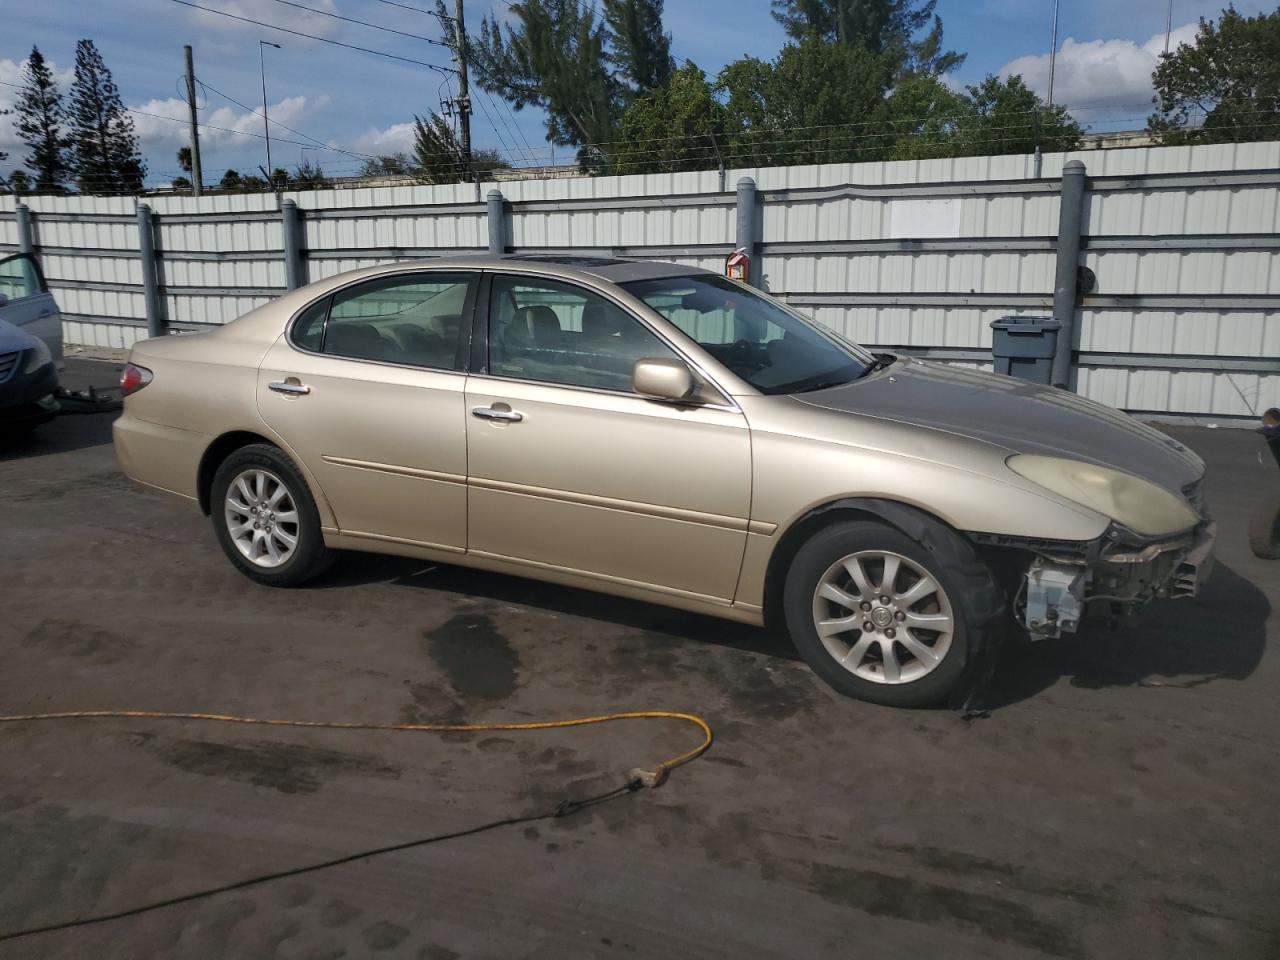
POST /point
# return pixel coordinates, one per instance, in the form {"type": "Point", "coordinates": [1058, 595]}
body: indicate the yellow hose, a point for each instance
{"type": "Point", "coordinates": [650, 778]}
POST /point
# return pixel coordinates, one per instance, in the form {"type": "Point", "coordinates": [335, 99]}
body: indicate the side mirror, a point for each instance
{"type": "Point", "coordinates": [662, 379]}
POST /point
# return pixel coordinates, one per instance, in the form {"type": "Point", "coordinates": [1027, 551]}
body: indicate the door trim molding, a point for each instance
{"type": "Point", "coordinates": [739, 524]}
{"type": "Point", "coordinates": [395, 469]}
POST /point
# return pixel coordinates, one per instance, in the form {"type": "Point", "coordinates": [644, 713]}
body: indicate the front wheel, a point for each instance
{"type": "Point", "coordinates": [265, 518]}
{"type": "Point", "coordinates": [883, 618]}
{"type": "Point", "coordinates": [1264, 530]}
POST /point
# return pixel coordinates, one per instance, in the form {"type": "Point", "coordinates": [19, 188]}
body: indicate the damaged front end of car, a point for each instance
{"type": "Point", "coordinates": [1060, 583]}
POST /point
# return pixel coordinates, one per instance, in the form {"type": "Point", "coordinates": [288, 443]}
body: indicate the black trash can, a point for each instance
{"type": "Point", "coordinates": [1024, 347]}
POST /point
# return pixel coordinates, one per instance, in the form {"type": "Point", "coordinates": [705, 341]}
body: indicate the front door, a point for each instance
{"type": "Point", "coordinates": [25, 301]}
{"type": "Point", "coordinates": [572, 470]}
{"type": "Point", "coordinates": [366, 388]}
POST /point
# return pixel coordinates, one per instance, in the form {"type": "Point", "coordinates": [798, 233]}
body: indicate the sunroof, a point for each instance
{"type": "Point", "coordinates": [568, 261]}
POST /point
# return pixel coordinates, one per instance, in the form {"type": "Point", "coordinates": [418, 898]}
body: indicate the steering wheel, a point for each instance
{"type": "Point", "coordinates": [743, 354]}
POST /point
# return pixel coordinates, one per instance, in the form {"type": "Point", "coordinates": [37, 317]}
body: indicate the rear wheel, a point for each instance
{"type": "Point", "coordinates": [882, 617]}
{"type": "Point", "coordinates": [1264, 530]}
{"type": "Point", "coordinates": [266, 519]}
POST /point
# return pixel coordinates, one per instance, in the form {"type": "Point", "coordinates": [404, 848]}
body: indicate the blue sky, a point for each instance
{"type": "Point", "coordinates": [364, 104]}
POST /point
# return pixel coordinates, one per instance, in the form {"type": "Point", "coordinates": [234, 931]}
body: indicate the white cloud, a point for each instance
{"type": "Point", "coordinates": [225, 127]}
{"type": "Point", "coordinates": [397, 138]}
{"type": "Point", "coordinates": [1100, 79]}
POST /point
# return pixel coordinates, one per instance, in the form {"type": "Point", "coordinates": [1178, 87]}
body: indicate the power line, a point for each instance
{"type": "Point", "coordinates": [319, 143]}
{"type": "Point", "coordinates": [310, 36]}
{"type": "Point", "coordinates": [363, 23]}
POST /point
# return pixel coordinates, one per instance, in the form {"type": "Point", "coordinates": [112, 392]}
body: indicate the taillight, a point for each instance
{"type": "Point", "coordinates": [133, 378]}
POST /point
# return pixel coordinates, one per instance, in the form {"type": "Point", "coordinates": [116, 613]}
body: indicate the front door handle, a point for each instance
{"type": "Point", "coordinates": [289, 389]}
{"type": "Point", "coordinates": [492, 413]}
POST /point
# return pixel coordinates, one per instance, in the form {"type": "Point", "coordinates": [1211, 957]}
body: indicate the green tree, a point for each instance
{"type": "Point", "coordinates": [1224, 88]}
{"type": "Point", "coordinates": [816, 103]}
{"type": "Point", "coordinates": [184, 159]}
{"type": "Point", "coordinates": [104, 148]}
{"type": "Point", "coordinates": [231, 180]}
{"type": "Point", "coordinates": [19, 182]}
{"type": "Point", "coordinates": [639, 50]}
{"type": "Point", "coordinates": [306, 176]}
{"type": "Point", "coordinates": [181, 183]}
{"type": "Point", "coordinates": [553, 58]}
{"type": "Point", "coordinates": [890, 27]}
{"type": "Point", "coordinates": [993, 117]}
{"type": "Point", "coordinates": [388, 165]}
{"type": "Point", "coordinates": [40, 123]}
{"type": "Point", "coordinates": [679, 126]}
{"type": "Point", "coordinates": [583, 70]}
{"type": "Point", "coordinates": [437, 156]}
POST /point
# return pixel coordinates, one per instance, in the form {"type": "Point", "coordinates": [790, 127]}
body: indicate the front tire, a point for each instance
{"type": "Point", "coordinates": [266, 519]}
{"type": "Point", "coordinates": [1264, 530]}
{"type": "Point", "coordinates": [884, 618]}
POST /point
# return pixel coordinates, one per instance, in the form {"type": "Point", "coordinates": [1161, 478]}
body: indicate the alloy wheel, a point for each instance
{"type": "Point", "coordinates": [883, 617]}
{"type": "Point", "coordinates": [261, 518]}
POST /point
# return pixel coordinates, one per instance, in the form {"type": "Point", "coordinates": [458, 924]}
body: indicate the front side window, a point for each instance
{"type": "Point", "coordinates": [19, 278]}
{"type": "Point", "coordinates": [559, 333]}
{"type": "Point", "coordinates": [414, 319]}
{"type": "Point", "coordinates": [764, 343]}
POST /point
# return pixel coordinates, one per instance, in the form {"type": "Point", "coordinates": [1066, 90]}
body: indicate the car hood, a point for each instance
{"type": "Point", "coordinates": [13, 338]}
{"type": "Point", "coordinates": [1021, 416]}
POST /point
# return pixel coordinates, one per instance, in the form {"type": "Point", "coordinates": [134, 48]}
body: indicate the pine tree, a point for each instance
{"type": "Point", "coordinates": [40, 125]}
{"type": "Point", "coordinates": [104, 148]}
{"type": "Point", "coordinates": [638, 46]}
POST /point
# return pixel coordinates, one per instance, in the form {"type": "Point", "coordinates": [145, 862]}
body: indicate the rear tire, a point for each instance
{"type": "Point", "coordinates": [266, 519]}
{"type": "Point", "coordinates": [885, 618]}
{"type": "Point", "coordinates": [1264, 530]}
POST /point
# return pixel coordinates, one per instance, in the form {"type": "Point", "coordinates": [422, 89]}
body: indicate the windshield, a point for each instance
{"type": "Point", "coordinates": [764, 343]}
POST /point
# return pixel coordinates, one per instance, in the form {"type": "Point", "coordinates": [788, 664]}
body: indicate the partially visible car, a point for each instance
{"type": "Point", "coordinates": [30, 345]}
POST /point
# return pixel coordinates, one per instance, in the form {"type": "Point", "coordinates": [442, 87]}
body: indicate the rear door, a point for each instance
{"type": "Point", "coordinates": [366, 388]}
{"type": "Point", "coordinates": [25, 301]}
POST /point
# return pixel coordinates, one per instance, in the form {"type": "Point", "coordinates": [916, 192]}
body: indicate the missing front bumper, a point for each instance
{"type": "Point", "coordinates": [1057, 591]}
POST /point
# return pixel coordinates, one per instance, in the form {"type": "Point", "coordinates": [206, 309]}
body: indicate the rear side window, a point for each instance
{"type": "Point", "coordinates": [308, 330]}
{"type": "Point", "coordinates": [415, 319]}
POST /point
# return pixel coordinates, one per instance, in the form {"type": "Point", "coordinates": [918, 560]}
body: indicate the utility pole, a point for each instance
{"type": "Point", "coordinates": [1168, 28]}
{"type": "Point", "coordinates": [464, 93]}
{"type": "Point", "coordinates": [196, 183]}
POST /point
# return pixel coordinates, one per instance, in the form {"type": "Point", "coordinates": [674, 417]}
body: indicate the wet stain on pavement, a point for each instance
{"type": "Point", "coordinates": [75, 638]}
{"type": "Point", "coordinates": [286, 767]}
{"type": "Point", "coordinates": [479, 661]}
{"type": "Point", "coordinates": [383, 935]}
{"type": "Point", "coordinates": [919, 901]}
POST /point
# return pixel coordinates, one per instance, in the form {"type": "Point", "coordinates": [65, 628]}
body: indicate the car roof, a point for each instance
{"type": "Point", "coordinates": [611, 269]}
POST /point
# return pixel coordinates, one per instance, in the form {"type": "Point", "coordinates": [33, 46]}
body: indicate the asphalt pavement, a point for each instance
{"type": "Point", "coordinates": [1122, 799]}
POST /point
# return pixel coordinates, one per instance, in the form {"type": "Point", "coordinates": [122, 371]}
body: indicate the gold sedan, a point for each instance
{"type": "Point", "coordinates": [660, 432]}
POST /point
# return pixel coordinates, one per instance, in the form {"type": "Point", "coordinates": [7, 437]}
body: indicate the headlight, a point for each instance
{"type": "Point", "coordinates": [1138, 504]}
{"type": "Point", "coordinates": [37, 357]}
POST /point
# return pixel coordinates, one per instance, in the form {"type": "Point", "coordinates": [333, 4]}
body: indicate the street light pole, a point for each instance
{"type": "Point", "coordinates": [266, 125]}
{"type": "Point", "coordinates": [1053, 51]}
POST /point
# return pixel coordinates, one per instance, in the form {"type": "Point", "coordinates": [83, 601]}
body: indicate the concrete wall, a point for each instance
{"type": "Point", "coordinates": [921, 255]}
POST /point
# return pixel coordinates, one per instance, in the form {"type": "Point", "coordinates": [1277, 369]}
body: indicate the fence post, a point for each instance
{"type": "Point", "coordinates": [150, 283]}
{"type": "Point", "coordinates": [295, 266]}
{"type": "Point", "coordinates": [23, 214]}
{"type": "Point", "coordinates": [1070, 216]}
{"type": "Point", "coordinates": [746, 237]}
{"type": "Point", "coordinates": [497, 224]}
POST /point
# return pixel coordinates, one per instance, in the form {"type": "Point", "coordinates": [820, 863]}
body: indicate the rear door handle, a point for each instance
{"type": "Point", "coordinates": [290, 389]}
{"type": "Point", "coordinates": [490, 413]}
